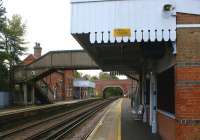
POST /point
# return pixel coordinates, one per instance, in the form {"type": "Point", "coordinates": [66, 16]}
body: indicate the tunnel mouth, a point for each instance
{"type": "Point", "coordinates": [112, 92]}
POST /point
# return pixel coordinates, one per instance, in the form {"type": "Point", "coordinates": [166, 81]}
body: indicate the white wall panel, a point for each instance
{"type": "Point", "coordinates": [103, 16]}
{"type": "Point", "coordinates": [188, 6]}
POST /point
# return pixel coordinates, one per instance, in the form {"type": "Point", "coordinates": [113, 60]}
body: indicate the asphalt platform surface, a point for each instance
{"type": "Point", "coordinates": [133, 129]}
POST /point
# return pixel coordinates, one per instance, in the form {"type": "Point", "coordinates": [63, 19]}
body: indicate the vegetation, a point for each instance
{"type": "Point", "coordinates": [102, 76]}
{"type": "Point", "coordinates": [107, 76]}
{"type": "Point", "coordinates": [112, 91]}
{"type": "Point", "coordinates": [93, 78]}
{"type": "Point", "coordinates": [12, 42]}
{"type": "Point", "coordinates": [77, 74]}
{"type": "Point", "coordinates": [14, 37]}
{"type": "Point", "coordinates": [3, 69]}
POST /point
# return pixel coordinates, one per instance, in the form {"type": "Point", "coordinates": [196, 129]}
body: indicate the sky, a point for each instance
{"type": "Point", "coordinates": [47, 22]}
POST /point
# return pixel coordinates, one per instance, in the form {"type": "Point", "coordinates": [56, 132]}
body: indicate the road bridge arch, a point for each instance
{"type": "Point", "coordinates": [124, 85]}
{"type": "Point", "coordinates": [113, 91]}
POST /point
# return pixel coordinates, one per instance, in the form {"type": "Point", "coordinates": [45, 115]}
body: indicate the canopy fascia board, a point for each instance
{"type": "Point", "coordinates": [101, 17]}
{"type": "Point", "coordinates": [146, 20]}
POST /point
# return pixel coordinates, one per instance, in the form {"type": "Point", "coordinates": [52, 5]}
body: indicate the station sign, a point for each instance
{"type": "Point", "coordinates": [122, 32]}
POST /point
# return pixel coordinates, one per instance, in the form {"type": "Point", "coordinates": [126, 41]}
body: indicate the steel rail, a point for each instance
{"type": "Point", "coordinates": [24, 127]}
{"type": "Point", "coordinates": [62, 128]}
{"type": "Point", "coordinates": [69, 127]}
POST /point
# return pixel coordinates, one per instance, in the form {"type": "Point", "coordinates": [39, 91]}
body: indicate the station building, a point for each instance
{"type": "Point", "coordinates": [155, 40]}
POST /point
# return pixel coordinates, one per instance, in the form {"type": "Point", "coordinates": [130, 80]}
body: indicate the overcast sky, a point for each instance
{"type": "Point", "coordinates": [48, 22]}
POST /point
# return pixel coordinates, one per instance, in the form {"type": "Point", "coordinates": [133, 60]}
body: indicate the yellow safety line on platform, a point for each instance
{"type": "Point", "coordinates": [99, 124]}
{"type": "Point", "coordinates": [118, 110]}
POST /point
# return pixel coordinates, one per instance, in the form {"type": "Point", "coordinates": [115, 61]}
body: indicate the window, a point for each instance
{"type": "Point", "coordinates": [166, 91]}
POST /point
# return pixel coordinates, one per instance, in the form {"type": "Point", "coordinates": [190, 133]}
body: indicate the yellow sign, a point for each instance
{"type": "Point", "coordinates": [122, 32]}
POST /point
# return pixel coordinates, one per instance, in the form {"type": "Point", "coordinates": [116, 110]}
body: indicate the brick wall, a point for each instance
{"type": "Point", "coordinates": [54, 82]}
{"type": "Point", "coordinates": [187, 18]}
{"type": "Point", "coordinates": [187, 73]}
{"type": "Point", "coordinates": [62, 83]}
{"type": "Point", "coordinates": [68, 82]}
{"type": "Point", "coordinates": [102, 84]}
{"type": "Point", "coordinates": [188, 132]}
{"type": "Point", "coordinates": [166, 127]}
{"type": "Point", "coordinates": [64, 89]}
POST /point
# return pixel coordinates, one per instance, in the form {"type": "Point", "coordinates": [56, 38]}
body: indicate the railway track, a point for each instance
{"type": "Point", "coordinates": [55, 127]}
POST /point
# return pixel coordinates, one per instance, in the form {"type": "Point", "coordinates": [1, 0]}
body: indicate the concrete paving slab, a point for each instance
{"type": "Point", "coordinates": [118, 123]}
{"type": "Point", "coordinates": [109, 127]}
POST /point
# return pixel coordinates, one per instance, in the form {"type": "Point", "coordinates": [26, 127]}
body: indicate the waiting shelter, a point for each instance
{"type": "Point", "coordinates": [83, 89]}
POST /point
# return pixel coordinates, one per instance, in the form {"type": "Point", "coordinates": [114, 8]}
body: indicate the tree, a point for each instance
{"type": "Point", "coordinates": [3, 56]}
{"type": "Point", "coordinates": [93, 78]}
{"type": "Point", "coordinates": [107, 76]}
{"type": "Point", "coordinates": [14, 38]}
{"type": "Point", "coordinates": [114, 77]}
{"type": "Point", "coordinates": [2, 27]}
{"type": "Point", "coordinates": [104, 76]}
{"type": "Point", "coordinates": [77, 74]}
{"type": "Point", "coordinates": [11, 45]}
{"type": "Point", "coordinates": [86, 77]}
{"type": "Point", "coordinates": [113, 91]}
{"type": "Point", "coordinates": [2, 16]}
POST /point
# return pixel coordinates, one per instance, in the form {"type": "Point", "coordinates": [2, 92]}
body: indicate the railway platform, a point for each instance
{"type": "Point", "coordinates": [118, 124]}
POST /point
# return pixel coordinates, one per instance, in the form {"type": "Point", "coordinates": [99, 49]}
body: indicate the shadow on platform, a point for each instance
{"type": "Point", "coordinates": [133, 129]}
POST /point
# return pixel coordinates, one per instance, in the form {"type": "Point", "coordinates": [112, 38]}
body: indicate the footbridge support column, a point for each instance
{"type": "Point", "coordinates": [25, 92]}
{"type": "Point", "coordinates": [33, 95]}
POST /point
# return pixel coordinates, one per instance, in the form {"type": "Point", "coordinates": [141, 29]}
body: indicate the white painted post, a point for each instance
{"type": "Point", "coordinates": [142, 85]}
{"type": "Point", "coordinates": [151, 99]}
{"type": "Point", "coordinates": [154, 104]}
{"type": "Point", "coordinates": [145, 92]}
{"type": "Point", "coordinates": [25, 93]}
{"type": "Point", "coordinates": [54, 94]}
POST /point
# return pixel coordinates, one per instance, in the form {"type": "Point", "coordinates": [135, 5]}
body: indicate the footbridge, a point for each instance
{"type": "Point", "coordinates": [52, 61]}
{"type": "Point", "coordinates": [31, 75]}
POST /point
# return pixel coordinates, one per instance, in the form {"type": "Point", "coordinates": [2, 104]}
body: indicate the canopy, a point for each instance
{"type": "Point", "coordinates": [83, 83]}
